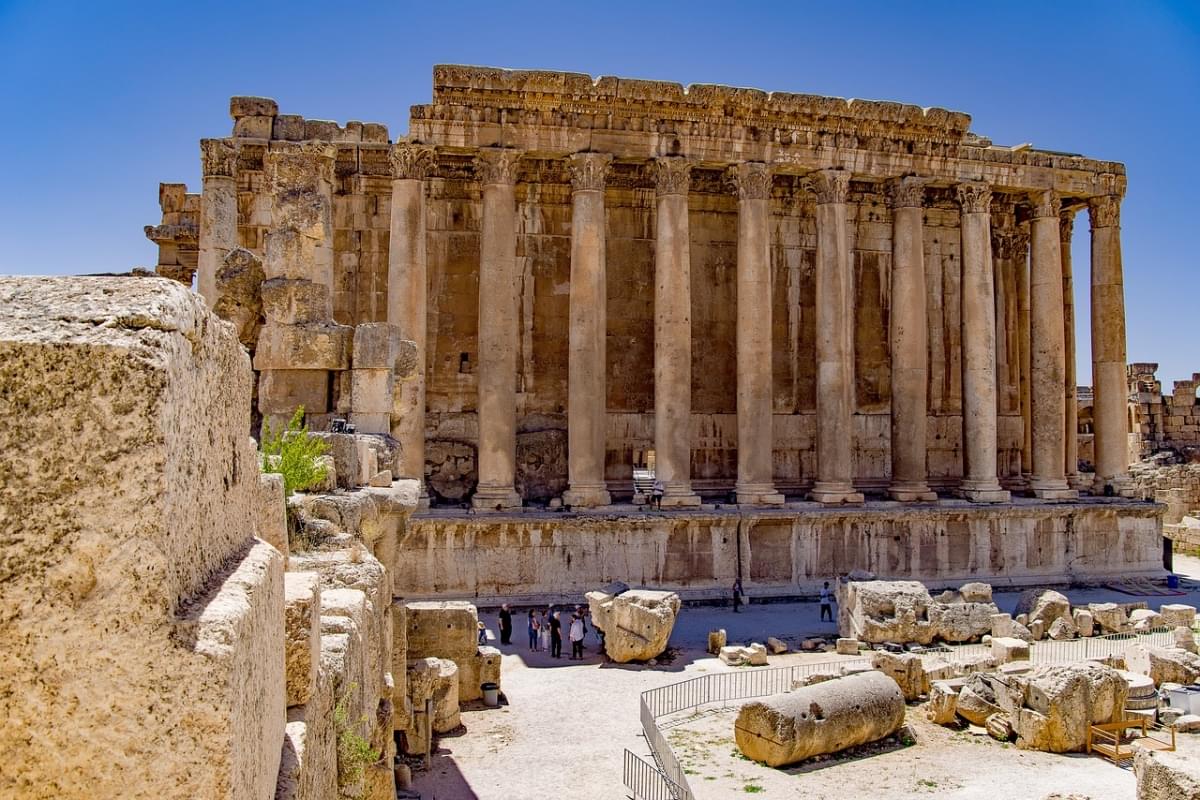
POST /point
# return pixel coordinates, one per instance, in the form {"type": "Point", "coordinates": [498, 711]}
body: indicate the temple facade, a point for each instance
{"type": "Point", "coordinates": [757, 295]}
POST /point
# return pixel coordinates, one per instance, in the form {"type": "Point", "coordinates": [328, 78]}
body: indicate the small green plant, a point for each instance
{"type": "Point", "coordinates": [293, 453]}
{"type": "Point", "coordinates": [355, 753]}
{"type": "Point", "coordinates": [753, 788]}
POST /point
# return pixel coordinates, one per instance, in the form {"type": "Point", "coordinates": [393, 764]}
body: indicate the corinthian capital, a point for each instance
{"type": "Point", "coordinates": [1045, 204]}
{"type": "Point", "coordinates": [752, 179]}
{"type": "Point", "coordinates": [908, 192]}
{"type": "Point", "coordinates": [830, 185]}
{"type": "Point", "coordinates": [588, 171]}
{"type": "Point", "coordinates": [1066, 224]}
{"type": "Point", "coordinates": [1104, 211]}
{"type": "Point", "coordinates": [672, 175]}
{"type": "Point", "coordinates": [495, 165]}
{"type": "Point", "coordinates": [975, 197]}
{"type": "Point", "coordinates": [412, 161]}
{"type": "Point", "coordinates": [218, 158]}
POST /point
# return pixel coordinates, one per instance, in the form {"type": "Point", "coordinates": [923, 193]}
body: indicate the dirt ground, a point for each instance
{"type": "Point", "coordinates": [566, 724]}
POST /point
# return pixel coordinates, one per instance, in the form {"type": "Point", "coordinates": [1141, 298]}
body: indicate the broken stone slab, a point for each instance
{"type": "Point", "coordinates": [943, 701]}
{"type": "Point", "coordinates": [1007, 648]}
{"type": "Point", "coordinates": [483, 667]}
{"type": "Point", "coordinates": [302, 643]}
{"type": "Point", "coordinates": [272, 512]}
{"type": "Point", "coordinates": [282, 391]}
{"type": "Point", "coordinates": [1185, 639]}
{"type": "Point", "coordinates": [716, 641]}
{"type": "Point", "coordinates": [1163, 664]}
{"type": "Point", "coordinates": [884, 611]}
{"type": "Point", "coordinates": [1188, 723]}
{"type": "Point", "coordinates": [443, 629]}
{"type": "Point", "coordinates": [847, 647]}
{"type": "Point", "coordinates": [1166, 775]}
{"type": "Point", "coordinates": [1085, 623]}
{"type": "Point", "coordinates": [819, 719]}
{"type": "Point", "coordinates": [1143, 619]}
{"type": "Point", "coordinates": [733, 655]}
{"type": "Point", "coordinates": [1042, 605]}
{"type": "Point", "coordinates": [1175, 615]}
{"type": "Point", "coordinates": [756, 654]}
{"type": "Point", "coordinates": [906, 669]}
{"type": "Point", "coordinates": [1062, 629]}
{"type": "Point", "coordinates": [239, 299]}
{"type": "Point", "coordinates": [637, 623]}
{"type": "Point", "coordinates": [1109, 616]}
{"type": "Point", "coordinates": [323, 346]}
{"type": "Point", "coordinates": [295, 301]}
{"type": "Point", "coordinates": [976, 592]}
{"type": "Point", "coordinates": [376, 345]}
{"type": "Point", "coordinates": [1059, 702]}
{"type": "Point", "coordinates": [961, 621]}
{"type": "Point", "coordinates": [778, 646]}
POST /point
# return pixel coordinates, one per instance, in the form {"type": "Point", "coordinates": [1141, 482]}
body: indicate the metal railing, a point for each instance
{"type": "Point", "coordinates": [666, 779]}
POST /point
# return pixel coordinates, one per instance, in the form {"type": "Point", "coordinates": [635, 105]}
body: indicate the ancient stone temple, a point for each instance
{"type": "Point", "coordinates": [759, 296]}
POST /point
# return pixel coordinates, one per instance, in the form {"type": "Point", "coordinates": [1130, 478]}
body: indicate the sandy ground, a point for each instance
{"type": "Point", "coordinates": [566, 724]}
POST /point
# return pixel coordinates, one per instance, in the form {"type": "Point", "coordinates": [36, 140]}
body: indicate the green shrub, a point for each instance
{"type": "Point", "coordinates": [355, 753]}
{"type": "Point", "coordinates": [293, 453]}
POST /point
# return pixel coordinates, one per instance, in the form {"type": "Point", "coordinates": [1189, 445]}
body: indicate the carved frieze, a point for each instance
{"type": "Point", "coordinates": [1105, 211]}
{"type": "Point", "coordinates": [495, 165]}
{"type": "Point", "coordinates": [412, 161]}
{"type": "Point", "coordinates": [830, 185]}
{"type": "Point", "coordinates": [218, 158]}
{"type": "Point", "coordinates": [672, 175]}
{"type": "Point", "coordinates": [974, 197]}
{"type": "Point", "coordinates": [907, 192]}
{"type": "Point", "coordinates": [588, 171]}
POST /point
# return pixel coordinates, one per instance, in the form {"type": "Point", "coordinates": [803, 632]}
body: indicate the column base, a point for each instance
{"type": "Point", "coordinates": [912, 493]}
{"type": "Point", "coordinates": [1079, 481]}
{"type": "Point", "coordinates": [495, 498]}
{"type": "Point", "coordinates": [1052, 489]}
{"type": "Point", "coordinates": [587, 496]}
{"type": "Point", "coordinates": [984, 492]}
{"type": "Point", "coordinates": [680, 495]}
{"type": "Point", "coordinates": [1121, 485]}
{"type": "Point", "coordinates": [835, 494]}
{"type": "Point", "coordinates": [758, 494]}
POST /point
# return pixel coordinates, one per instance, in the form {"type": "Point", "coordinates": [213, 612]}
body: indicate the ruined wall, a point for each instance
{"type": "Point", "coordinates": [1160, 421]}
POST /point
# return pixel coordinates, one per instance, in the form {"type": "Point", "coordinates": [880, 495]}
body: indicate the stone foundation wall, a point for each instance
{"type": "Point", "coordinates": [782, 553]}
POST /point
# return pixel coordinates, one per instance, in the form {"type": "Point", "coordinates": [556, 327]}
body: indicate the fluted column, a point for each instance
{"type": "Point", "coordinates": [407, 295]}
{"type": "Point", "coordinates": [586, 392]}
{"type": "Point", "coordinates": [218, 213]}
{"type": "Point", "coordinates": [835, 342]}
{"type": "Point", "coordinates": [1047, 351]}
{"type": "Point", "coordinates": [1066, 226]}
{"type": "Point", "coordinates": [673, 334]}
{"type": "Point", "coordinates": [909, 344]}
{"type": "Point", "coordinates": [1021, 262]}
{"type": "Point", "coordinates": [755, 477]}
{"type": "Point", "coordinates": [1108, 346]}
{"type": "Point", "coordinates": [979, 483]}
{"type": "Point", "coordinates": [498, 331]}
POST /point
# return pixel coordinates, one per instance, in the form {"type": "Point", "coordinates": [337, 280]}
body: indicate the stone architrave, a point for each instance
{"type": "Point", "coordinates": [1066, 226]}
{"type": "Point", "coordinates": [407, 297]}
{"type": "Point", "coordinates": [218, 213]}
{"type": "Point", "coordinates": [755, 484]}
{"type": "Point", "coordinates": [1108, 346]}
{"type": "Point", "coordinates": [498, 331]}
{"type": "Point", "coordinates": [909, 340]}
{"type": "Point", "coordinates": [586, 364]}
{"type": "Point", "coordinates": [835, 342]}
{"type": "Point", "coordinates": [979, 483]}
{"type": "Point", "coordinates": [673, 334]}
{"type": "Point", "coordinates": [1047, 354]}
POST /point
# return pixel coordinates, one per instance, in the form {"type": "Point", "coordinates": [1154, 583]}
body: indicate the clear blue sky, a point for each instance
{"type": "Point", "coordinates": [102, 100]}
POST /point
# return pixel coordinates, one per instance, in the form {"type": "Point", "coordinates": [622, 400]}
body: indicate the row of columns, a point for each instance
{"type": "Point", "coordinates": [1049, 317]}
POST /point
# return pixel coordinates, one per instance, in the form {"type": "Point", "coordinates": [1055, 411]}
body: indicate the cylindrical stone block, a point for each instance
{"type": "Point", "coordinates": [1108, 346]}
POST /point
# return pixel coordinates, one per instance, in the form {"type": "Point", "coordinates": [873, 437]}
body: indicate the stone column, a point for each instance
{"type": "Point", "coordinates": [1066, 227]}
{"type": "Point", "coordinates": [835, 342]}
{"type": "Point", "coordinates": [218, 213]}
{"type": "Point", "coordinates": [498, 331]}
{"type": "Point", "coordinates": [909, 343]}
{"type": "Point", "coordinates": [586, 392]}
{"type": "Point", "coordinates": [1021, 262]}
{"type": "Point", "coordinates": [979, 483]}
{"type": "Point", "coordinates": [1047, 351]}
{"type": "Point", "coordinates": [755, 476]}
{"type": "Point", "coordinates": [1108, 346]}
{"type": "Point", "coordinates": [673, 334]}
{"type": "Point", "coordinates": [407, 290]}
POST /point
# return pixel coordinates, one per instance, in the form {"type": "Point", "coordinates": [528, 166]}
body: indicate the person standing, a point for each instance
{"type": "Point", "coordinates": [505, 624]}
{"type": "Point", "coordinates": [543, 632]}
{"type": "Point", "coordinates": [737, 596]}
{"type": "Point", "coordinates": [656, 494]}
{"type": "Point", "coordinates": [555, 636]}
{"type": "Point", "coordinates": [533, 632]}
{"type": "Point", "coordinates": [576, 634]}
{"type": "Point", "coordinates": [826, 603]}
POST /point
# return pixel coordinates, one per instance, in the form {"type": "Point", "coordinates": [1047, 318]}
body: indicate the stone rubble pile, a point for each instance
{"type": "Point", "coordinates": [902, 612]}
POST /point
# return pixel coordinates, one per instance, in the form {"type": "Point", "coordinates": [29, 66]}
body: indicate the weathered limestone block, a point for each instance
{"type": "Point", "coordinates": [1063, 628]}
{"type": "Point", "coordinates": [302, 648]}
{"type": "Point", "coordinates": [1043, 605]}
{"type": "Point", "coordinates": [311, 737]}
{"type": "Point", "coordinates": [345, 451]}
{"type": "Point", "coordinates": [716, 641]}
{"type": "Point", "coordinates": [976, 592]}
{"type": "Point", "coordinates": [1109, 616]}
{"type": "Point", "coordinates": [1166, 776]}
{"type": "Point", "coordinates": [999, 727]}
{"type": "Point", "coordinates": [442, 629]}
{"type": "Point", "coordinates": [884, 611]}
{"type": "Point", "coordinates": [1163, 664]}
{"type": "Point", "coordinates": [847, 647]}
{"type": "Point", "coordinates": [377, 345]}
{"type": "Point", "coordinates": [294, 301]}
{"type": "Point", "coordinates": [282, 391]}
{"type": "Point", "coordinates": [823, 718]}
{"type": "Point", "coordinates": [1185, 639]}
{"type": "Point", "coordinates": [272, 512]}
{"type": "Point", "coordinates": [1175, 615]}
{"type": "Point", "coordinates": [637, 623]}
{"type": "Point", "coordinates": [1085, 623]}
{"type": "Point", "coordinates": [961, 622]}
{"type": "Point", "coordinates": [144, 568]}
{"type": "Point", "coordinates": [294, 782]}
{"type": "Point", "coordinates": [436, 679]}
{"type": "Point", "coordinates": [778, 646]}
{"type": "Point", "coordinates": [401, 703]}
{"type": "Point", "coordinates": [1007, 648]}
{"type": "Point", "coordinates": [974, 706]}
{"type": "Point", "coordinates": [318, 346]}
{"type": "Point", "coordinates": [239, 297]}
{"type": "Point", "coordinates": [481, 668]}
{"type": "Point", "coordinates": [906, 669]}
{"type": "Point", "coordinates": [1060, 701]}
{"type": "Point", "coordinates": [541, 463]}
{"type": "Point", "coordinates": [756, 654]}
{"type": "Point", "coordinates": [943, 703]}
{"type": "Point", "coordinates": [1143, 619]}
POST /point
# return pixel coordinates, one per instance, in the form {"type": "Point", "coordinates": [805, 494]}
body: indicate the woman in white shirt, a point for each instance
{"type": "Point", "coordinates": [576, 636]}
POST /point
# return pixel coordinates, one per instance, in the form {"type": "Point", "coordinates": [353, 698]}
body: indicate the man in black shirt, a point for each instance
{"type": "Point", "coordinates": [505, 625]}
{"type": "Point", "coordinates": [555, 636]}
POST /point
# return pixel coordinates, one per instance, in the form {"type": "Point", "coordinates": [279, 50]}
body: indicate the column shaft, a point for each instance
{"type": "Point", "coordinates": [218, 213]}
{"type": "Point", "coordinates": [909, 344]}
{"type": "Point", "coordinates": [673, 335]}
{"type": "Point", "coordinates": [755, 478]}
{"type": "Point", "coordinates": [586, 389]}
{"type": "Point", "coordinates": [407, 297]}
{"type": "Point", "coordinates": [835, 342]}
{"type": "Point", "coordinates": [1108, 346]}
{"type": "Point", "coordinates": [1021, 262]}
{"type": "Point", "coordinates": [979, 482]}
{"type": "Point", "coordinates": [1047, 353]}
{"type": "Point", "coordinates": [1066, 222]}
{"type": "Point", "coordinates": [498, 332]}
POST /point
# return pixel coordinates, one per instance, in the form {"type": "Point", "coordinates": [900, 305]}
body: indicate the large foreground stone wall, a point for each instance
{"type": "Point", "coordinates": [782, 552]}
